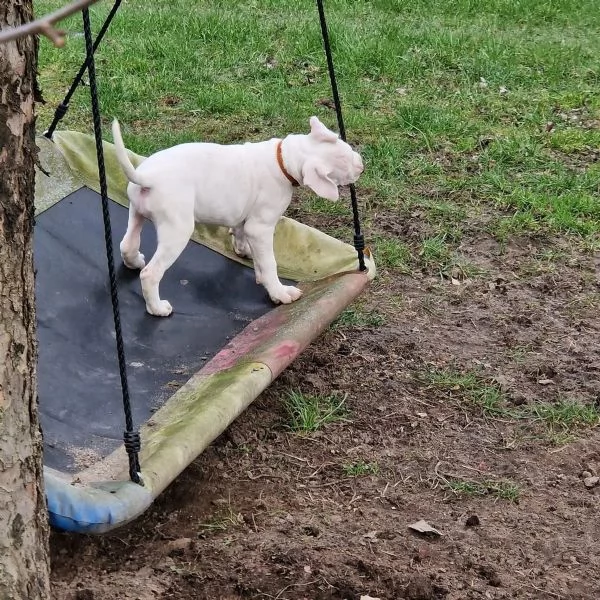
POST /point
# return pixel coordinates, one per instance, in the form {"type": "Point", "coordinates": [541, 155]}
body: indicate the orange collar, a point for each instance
{"type": "Point", "coordinates": [282, 166]}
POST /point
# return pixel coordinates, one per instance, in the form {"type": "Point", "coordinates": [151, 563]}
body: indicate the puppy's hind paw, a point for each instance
{"type": "Point", "coordinates": [137, 262]}
{"type": "Point", "coordinates": [286, 294]}
{"type": "Point", "coordinates": [241, 247]}
{"type": "Point", "coordinates": [162, 309]}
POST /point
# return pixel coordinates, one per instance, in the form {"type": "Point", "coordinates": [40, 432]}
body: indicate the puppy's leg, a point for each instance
{"type": "Point", "coordinates": [130, 244]}
{"type": "Point", "coordinates": [240, 243]}
{"type": "Point", "coordinates": [173, 237]}
{"type": "Point", "coordinates": [260, 239]}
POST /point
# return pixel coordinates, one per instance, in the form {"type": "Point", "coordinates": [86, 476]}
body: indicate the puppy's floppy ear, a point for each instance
{"type": "Point", "coordinates": [320, 132]}
{"type": "Point", "coordinates": [314, 175]}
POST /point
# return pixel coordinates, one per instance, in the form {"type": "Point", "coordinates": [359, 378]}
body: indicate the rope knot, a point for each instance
{"type": "Point", "coordinates": [61, 110]}
{"type": "Point", "coordinates": [359, 242]}
{"type": "Point", "coordinates": [132, 441]}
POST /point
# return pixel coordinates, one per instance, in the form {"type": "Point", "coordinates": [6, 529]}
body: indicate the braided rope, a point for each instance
{"type": "Point", "coordinates": [63, 107]}
{"type": "Point", "coordinates": [359, 241]}
{"type": "Point", "coordinates": [131, 437]}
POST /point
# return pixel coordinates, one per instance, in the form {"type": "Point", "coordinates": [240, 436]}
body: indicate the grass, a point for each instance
{"type": "Point", "coordinates": [360, 468]}
{"type": "Point", "coordinates": [559, 419]}
{"type": "Point", "coordinates": [358, 317]}
{"type": "Point", "coordinates": [470, 386]}
{"type": "Point", "coordinates": [502, 490]}
{"type": "Point", "coordinates": [222, 521]}
{"type": "Point", "coordinates": [435, 252]}
{"type": "Point", "coordinates": [565, 415]}
{"type": "Point", "coordinates": [392, 254]}
{"type": "Point", "coordinates": [435, 103]}
{"type": "Point", "coordinates": [308, 413]}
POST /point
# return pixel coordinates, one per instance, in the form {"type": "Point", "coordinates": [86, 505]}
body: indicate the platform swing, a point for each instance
{"type": "Point", "coordinates": [194, 373]}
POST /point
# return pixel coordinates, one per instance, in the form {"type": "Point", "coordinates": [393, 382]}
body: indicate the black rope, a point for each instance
{"type": "Point", "coordinates": [130, 437]}
{"type": "Point", "coordinates": [359, 240]}
{"type": "Point", "coordinates": [63, 107]}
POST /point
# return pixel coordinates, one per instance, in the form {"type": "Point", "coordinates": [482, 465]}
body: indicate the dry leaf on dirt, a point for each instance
{"type": "Point", "coordinates": [424, 527]}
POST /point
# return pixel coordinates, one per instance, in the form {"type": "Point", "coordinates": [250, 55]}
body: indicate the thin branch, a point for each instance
{"type": "Point", "coordinates": [45, 25]}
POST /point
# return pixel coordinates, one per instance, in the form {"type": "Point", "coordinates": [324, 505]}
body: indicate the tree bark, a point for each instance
{"type": "Point", "coordinates": [24, 563]}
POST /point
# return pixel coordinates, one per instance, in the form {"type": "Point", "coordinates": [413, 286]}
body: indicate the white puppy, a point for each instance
{"type": "Point", "coordinates": [246, 187]}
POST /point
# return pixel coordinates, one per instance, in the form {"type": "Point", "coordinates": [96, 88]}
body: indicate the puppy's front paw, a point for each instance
{"type": "Point", "coordinates": [162, 309]}
{"type": "Point", "coordinates": [286, 294]}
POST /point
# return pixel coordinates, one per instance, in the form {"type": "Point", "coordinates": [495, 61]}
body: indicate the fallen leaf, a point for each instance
{"type": "Point", "coordinates": [327, 102]}
{"type": "Point", "coordinates": [502, 381]}
{"type": "Point", "coordinates": [545, 381]}
{"type": "Point", "coordinates": [484, 142]}
{"type": "Point", "coordinates": [424, 527]}
{"type": "Point", "coordinates": [179, 544]}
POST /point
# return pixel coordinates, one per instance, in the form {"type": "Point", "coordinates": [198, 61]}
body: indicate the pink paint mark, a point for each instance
{"type": "Point", "coordinates": [261, 340]}
{"type": "Point", "coordinates": [245, 343]}
{"type": "Point", "coordinates": [286, 350]}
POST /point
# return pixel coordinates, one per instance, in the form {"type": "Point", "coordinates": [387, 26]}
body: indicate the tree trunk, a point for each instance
{"type": "Point", "coordinates": [24, 566]}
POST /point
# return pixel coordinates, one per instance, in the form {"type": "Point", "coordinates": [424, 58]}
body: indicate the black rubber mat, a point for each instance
{"type": "Point", "coordinates": [213, 299]}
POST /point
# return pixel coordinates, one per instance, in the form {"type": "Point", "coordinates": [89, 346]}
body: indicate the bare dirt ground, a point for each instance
{"type": "Point", "coordinates": [267, 513]}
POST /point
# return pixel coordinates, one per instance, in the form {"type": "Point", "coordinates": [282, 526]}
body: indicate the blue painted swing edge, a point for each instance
{"type": "Point", "coordinates": [93, 509]}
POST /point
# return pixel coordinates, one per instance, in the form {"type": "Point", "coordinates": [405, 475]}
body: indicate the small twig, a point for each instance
{"type": "Point", "coordinates": [537, 589]}
{"type": "Point", "coordinates": [45, 25]}
{"type": "Point", "coordinates": [331, 483]}
{"type": "Point", "coordinates": [287, 587]}
{"type": "Point", "coordinates": [318, 469]}
{"type": "Point", "coordinates": [355, 498]}
{"type": "Point", "coordinates": [290, 456]}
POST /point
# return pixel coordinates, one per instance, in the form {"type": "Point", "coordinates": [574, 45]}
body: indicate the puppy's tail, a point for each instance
{"type": "Point", "coordinates": [123, 158]}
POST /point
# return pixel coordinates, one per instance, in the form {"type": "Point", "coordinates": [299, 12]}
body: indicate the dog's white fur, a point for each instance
{"type": "Point", "coordinates": [239, 186]}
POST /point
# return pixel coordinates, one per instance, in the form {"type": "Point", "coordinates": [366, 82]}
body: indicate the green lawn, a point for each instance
{"type": "Point", "coordinates": [478, 116]}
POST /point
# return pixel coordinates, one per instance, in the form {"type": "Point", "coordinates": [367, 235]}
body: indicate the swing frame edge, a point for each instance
{"type": "Point", "coordinates": [199, 411]}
